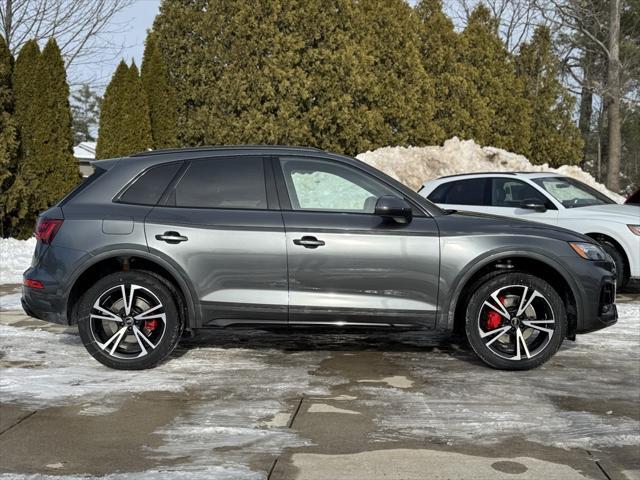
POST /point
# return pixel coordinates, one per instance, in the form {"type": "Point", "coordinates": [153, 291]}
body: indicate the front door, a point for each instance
{"type": "Point", "coordinates": [225, 232]}
{"type": "Point", "coordinates": [347, 265]}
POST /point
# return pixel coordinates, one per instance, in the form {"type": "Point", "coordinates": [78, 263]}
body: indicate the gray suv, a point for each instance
{"type": "Point", "coordinates": [166, 241]}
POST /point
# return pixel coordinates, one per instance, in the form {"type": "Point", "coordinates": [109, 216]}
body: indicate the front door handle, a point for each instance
{"type": "Point", "coordinates": [308, 242]}
{"type": "Point", "coordinates": [171, 237]}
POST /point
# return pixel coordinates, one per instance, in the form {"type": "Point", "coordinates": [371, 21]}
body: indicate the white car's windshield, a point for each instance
{"type": "Point", "coordinates": [572, 193]}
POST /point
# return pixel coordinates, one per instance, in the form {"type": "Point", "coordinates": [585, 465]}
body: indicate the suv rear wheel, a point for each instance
{"type": "Point", "coordinates": [129, 320]}
{"type": "Point", "coordinates": [515, 321]}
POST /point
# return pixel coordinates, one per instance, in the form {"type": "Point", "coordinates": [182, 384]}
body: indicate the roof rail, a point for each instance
{"type": "Point", "coordinates": [479, 173]}
{"type": "Point", "coordinates": [166, 151]}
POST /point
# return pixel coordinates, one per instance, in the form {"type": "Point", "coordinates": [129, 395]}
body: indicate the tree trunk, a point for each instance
{"type": "Point", "coordinates": [613, 99]}
{"type": "Point", "coordinates": [586, 105]}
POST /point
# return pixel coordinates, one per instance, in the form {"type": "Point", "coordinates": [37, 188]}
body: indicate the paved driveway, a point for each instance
{"type": "Point", "coordinates": [232, 405]}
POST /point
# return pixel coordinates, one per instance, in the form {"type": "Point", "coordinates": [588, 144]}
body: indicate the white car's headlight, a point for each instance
{"type": "Point", "coordinates": [634, 229]}
{"type": "Point", "coordinates": [589, 251]}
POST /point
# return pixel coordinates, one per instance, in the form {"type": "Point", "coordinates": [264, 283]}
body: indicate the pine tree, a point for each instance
{"type": "Point", "coordinates": [297, 72]}
{"type": "Point", "coordinates": [85, 109]}
{"type": "Point", "coordinates": [460, 110]}
{"type": "Point", "coordinates": [161, 96]}
{"type": "Point", "coordinates": [55, 134]}
{"type": "Point", "coordinates": [9, 140]}
{"type": "Point", "coordinates": [46, 167]}
{"type": "Point", "coordinates": [404, 93]}
{"type": "Point", "coordinates": [555, 138]}
{"type": "Point", "coordinates": [492, 73]}
{"type": "Point", "coordinates": [125, 126]}
{"type": "Point", "coordinates": [17, 212]}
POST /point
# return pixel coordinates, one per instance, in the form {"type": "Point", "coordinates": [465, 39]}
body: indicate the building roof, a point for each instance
{"type": "Point", "coordinates": [85, 151]}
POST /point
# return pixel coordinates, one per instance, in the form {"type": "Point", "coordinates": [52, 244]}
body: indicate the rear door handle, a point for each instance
{"type": "Point", "coordinates": [308, 242]}
{"type": "Point", "coordinates": [171, 237]}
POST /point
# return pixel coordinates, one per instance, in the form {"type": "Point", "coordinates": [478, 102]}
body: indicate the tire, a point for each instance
{"type": "Point", "coordinates": [618, 258]}
{"type": "Point", "coordinates": [528, 333]}
{"type": "Point", "coordinates": [130, 320]}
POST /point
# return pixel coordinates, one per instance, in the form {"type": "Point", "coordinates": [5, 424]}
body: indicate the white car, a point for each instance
{"type": "Point", "coordinates": [548, 198]}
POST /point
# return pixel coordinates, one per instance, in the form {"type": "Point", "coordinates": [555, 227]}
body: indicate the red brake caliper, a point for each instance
{"type": "Point", "coordinates": [494, 318]}
{"type": "Point", "coordinates": [150, 326]}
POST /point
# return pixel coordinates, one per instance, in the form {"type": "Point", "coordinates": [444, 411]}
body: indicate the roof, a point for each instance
{"type": "Point", "coordinates": [493, 174]}
{"type": "Point", "coordinates": [85, 151]}
{"type": "Point", "coordinates": [218, 148]}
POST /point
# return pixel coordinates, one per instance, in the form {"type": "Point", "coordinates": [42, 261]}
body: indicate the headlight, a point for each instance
{"type": "Point", "coordinates": [588, 250]}
{"type": "Point", "coordinates": [634, 229]}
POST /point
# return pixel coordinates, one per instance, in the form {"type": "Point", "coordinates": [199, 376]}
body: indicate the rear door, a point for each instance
{"type": "Point", "coordinates": [346, 264]}
{"type": "Point", "coordinates": [219, 223]}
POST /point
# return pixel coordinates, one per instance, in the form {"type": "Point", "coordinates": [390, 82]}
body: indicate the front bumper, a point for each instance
{"type": "Point", "coordinates": [597, 282]}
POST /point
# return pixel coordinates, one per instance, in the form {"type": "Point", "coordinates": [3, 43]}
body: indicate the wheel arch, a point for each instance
{"type": "Point", "coordinates": [526, 261]}
{"type": "Point", "coordinates": [130, 259]}
{"type": "Point", "coordinates": [604, 237]}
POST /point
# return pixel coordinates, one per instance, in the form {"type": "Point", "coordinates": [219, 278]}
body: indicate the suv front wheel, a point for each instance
{"type": "Point", "coordinates": [129, 320]}
{"type": "Point", "coordinates": [515, 321]}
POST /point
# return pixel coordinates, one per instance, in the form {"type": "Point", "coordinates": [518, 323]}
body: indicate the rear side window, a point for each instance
{"type": "Point", "coordinates": [148, 188]}
{"type": "Point", "coordinates": [236, 182]}
{"type": "Point", "coordinates": [81, 186]}
{"type": "Point", "coordinates": [462, 192]}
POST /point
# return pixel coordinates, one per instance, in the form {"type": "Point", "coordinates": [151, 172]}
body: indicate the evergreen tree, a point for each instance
{"type": "Point", "coordinates": [298, 72]}
{"type": "Point", "coordinates": [55, 134]}
{"type": "Point", "coordinates": [46, 167]}
{"type": "Point", "coordinates": [492, 73]}
{"type": "Point", "coordinates": [16, 209]}
{"type": "Point", "coordinates": [85, 109]}
{"type": "Point", "coordinates": [555, 139]}
{"type": "Point", "coordinates": [404, 93]}
{"type": "Point", "coordinates": [125, 126]}
{"type": "Point", "coordinates": [161, 96]}
{"type": "Point", "coordinates": [460, 110]}
{"type": "Point", "coordinates": [8, 129]}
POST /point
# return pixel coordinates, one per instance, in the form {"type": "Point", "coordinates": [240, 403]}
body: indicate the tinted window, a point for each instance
{"type": "Point", "coordinates": [461, 192]}
{"type": "Point", "coordinates": [149, 187]}
{"type": "Point", "coordinates": [82, 185]}
{"type": "Point", "coordinates": [327, 186]}
{"type": "Point", "coordinates": [223, 183]}
{"type": "Point", "coordinates": [506, 192]}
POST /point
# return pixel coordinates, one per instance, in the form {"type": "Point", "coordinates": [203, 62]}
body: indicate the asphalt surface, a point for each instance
{"type": "Point", "coordinates": [253, 404]}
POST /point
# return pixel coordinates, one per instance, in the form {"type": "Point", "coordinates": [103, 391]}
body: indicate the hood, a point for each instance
{"type": "Point", "coordinates": [626, 213]}
{"type": "Point", "coordinates": [473, 223]}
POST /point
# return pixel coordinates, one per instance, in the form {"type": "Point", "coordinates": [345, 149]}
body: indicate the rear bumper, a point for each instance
{"type": "Point", "coordinates": [43, 305]}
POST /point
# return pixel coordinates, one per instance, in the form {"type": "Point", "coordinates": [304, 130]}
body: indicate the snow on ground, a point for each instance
{"type": "Point", "coordinates": [456, 403]}
{"type": "Point", "coordinates": [11, 301]}
{"type": "Point", "coordinates": [415, 165]}
{"type": "Point", "coordinates": [15, 258]}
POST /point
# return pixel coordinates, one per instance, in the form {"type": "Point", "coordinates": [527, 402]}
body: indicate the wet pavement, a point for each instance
{"type": "Point", "coordinates": [253, 404]}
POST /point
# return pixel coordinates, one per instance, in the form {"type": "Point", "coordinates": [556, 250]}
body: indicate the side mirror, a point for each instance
{"type": "Point", "coordinates": [533, 204]}
{"type": "Point", "coordinates": [395, 208]}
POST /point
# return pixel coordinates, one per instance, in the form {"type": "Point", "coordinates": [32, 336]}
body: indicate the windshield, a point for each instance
{"type": "Point", "coordinates": [572, 193]}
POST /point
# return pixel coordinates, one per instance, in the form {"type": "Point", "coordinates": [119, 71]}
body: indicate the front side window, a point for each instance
{"type": "Point", "coordinates": [472, 191]}
{"type": "Point", "coordinates": [325, 186]}
{"type": "Point", "coordinates": [572, 193]}
{"type": "Point", "coordinates": [235, 182]}
{"type": "Point", "coordinates": [507, 192]}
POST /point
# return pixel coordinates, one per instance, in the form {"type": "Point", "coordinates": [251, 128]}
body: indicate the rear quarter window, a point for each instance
{"type": "Point", "coordinates": [472, 191]}
{"type": "Point", "coordinates": [81, 186]}
{"type": "Point", "coordinates": [149, 187]}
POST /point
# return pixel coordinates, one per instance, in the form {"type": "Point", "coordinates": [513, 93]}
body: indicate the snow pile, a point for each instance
{"type": "Point", "coordinates": [415, 165]}
{"type": "Point", "coordinates": [15, 258]}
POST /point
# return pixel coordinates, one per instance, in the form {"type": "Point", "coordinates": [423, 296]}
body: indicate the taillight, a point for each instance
{"type": "Point", "coordinates": [47, 228]}
{"type": "Point", "coordinates": [31, 283]}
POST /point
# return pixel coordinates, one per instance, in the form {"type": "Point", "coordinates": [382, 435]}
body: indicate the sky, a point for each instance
{"type": "Point", "coordinates": [131, 24]}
